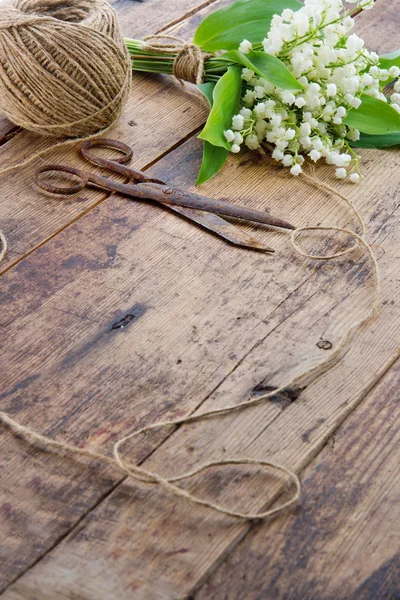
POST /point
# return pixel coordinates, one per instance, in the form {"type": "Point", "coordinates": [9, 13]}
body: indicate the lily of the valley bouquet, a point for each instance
{"type": "Point", "coordinates": [291, 79]}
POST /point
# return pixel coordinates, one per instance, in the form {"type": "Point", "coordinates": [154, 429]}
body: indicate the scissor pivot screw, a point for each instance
{"type": "Point", "coordinates": [168, 191]}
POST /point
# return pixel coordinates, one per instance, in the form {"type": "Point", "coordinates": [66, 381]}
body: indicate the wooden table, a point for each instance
{"type": "Point", "coordinates": [210, 325]}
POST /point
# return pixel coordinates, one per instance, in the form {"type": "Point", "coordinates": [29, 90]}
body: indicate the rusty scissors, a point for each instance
{"type": "Point", "coordinates": [200, 209]}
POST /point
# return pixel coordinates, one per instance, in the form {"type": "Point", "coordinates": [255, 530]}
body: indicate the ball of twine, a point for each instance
{"type": "Point", "coordinates": [64, 68]}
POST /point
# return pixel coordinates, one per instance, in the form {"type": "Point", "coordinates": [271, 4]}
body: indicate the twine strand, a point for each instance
{"type": "Point", "coordinates": [305, 378]}
{"type": "Point", "coordinates": [65, 69]}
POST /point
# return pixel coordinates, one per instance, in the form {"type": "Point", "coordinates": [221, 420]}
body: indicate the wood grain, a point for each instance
{"type": "Point", "coordinates": [344, 541]}
{"type": "Point", "coordinates": [159, 115]}
{"type": "Point", "coordinates": [209, 323]}
{"type": "Point", "coordinates": [289, 432]}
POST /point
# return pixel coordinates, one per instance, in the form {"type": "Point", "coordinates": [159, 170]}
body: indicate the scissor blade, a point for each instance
{"type": "Point", "coordinates": [217, 225]}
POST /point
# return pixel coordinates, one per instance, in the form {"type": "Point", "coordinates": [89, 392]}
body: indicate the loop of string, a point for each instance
{"type": "Point", "coordinates": [310, 375]}
{"type": "Point", "coordinates": [189, 60]}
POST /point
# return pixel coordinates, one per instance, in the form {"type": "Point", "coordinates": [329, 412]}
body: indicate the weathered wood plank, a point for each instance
{"type": "Point", "coordinates": [159, 115]}
{"type": "Point", "coordinates": [64, 341]}
{"type": "Point", "coordinates": [344, 541]}
{"type": "Point", "coordinates": [150, 544]}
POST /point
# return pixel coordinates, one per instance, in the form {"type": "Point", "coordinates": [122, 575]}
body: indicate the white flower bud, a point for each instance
{"type": "Point", "coordinates": [247, 74]}
{"type": "Point", "coordinates": [245, 112]}
{"type": "Point", "coordinates": [314, 155]}
{"type": "Point", "coordinates": [252, 142]}
{"type": "Point", "coordinates": [229, 135]}
{"type": "Point", "coordinates": [300, 102]}
{"type": "Point", "coordinates": [394, 71]}
{"type": "Point", "coordinates": [237, 138]}
{"type": "Point", "coordinates": [354, 178]}
{"type": "Point", "coordinates": [235, 148]}
{"type": "Point", "coordinates": [331, 89]}
{"type": "Point", "coordinates": [288, 97]}
{"type": "Point", "coordinates": [296, 170]}
{"type": "Point", "coordinates": [238, 122]}
{"type": "Point", "coordinates": [340, 173]}
{"type": "Point", "coordinates": [277, 154]}
{"type": "Point", "coordinates": [287, 14]}
{"type": "Point", "coordinates": [245, 47]}
{"type": "Point", "coordinates": [287, 160]}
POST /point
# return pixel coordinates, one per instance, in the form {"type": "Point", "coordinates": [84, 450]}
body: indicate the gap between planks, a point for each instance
{"type": "Point", "coordinates": [247, 527]}
{"type": "Point", "coordinates": [392, 360]}
{"type": "Point", "coordinates": [95, 204]}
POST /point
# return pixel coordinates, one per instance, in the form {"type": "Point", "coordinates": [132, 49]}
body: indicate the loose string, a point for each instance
{"type": "Point", "coordinates": [44, 151]}
{"type": "Point", "coordinates": [189, 60]}
{"type": "Point", "coordinates": [305, 378]}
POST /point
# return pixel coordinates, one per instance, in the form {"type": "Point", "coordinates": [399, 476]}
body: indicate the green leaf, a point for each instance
{"type": "Point", "coordinates": [224, 29]}
{"type": "Point", "coordinates": [226, 102]}
{"type": "Point", "coordinates": [374, 117]}
{"type": "Point", "coordinates": [214, 158]}
{"type": "Point", "coordinates": [377, 141]}
{"type": "Point", "coordinates": [390, 60]}
{"type": "Point", "coordinates": [207, 90]}
{"type": "Point", "coordinates": [267, 66]}
{"type": "Point", "coordinates": [385, 62]}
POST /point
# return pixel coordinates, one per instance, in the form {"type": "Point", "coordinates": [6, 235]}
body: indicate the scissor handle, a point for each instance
{"type": "Point", "coordinates": [127, 152]}
{"type": "Point", "coordinates": [73, 188]}
{"type": "Point", "coordinates": [117, 165]}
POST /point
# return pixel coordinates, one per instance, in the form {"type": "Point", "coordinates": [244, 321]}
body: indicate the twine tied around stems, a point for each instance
{"type": "Point", "coordinates": [189, 60]}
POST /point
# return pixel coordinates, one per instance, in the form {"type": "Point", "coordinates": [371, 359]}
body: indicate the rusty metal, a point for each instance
{"type": "Point", "coordinates": [201, 209]}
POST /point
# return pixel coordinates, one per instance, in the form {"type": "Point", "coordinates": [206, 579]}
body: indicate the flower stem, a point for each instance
{"type": "Point", "coordinates": [157, 61]}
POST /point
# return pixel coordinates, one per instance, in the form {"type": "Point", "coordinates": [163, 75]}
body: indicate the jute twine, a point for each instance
{"type": "Point", "coordinates": [310, 375]}
{"type": "Point", "coordinates": [64, 71]}
{"type": "Point", "coordinates": [189, 61]}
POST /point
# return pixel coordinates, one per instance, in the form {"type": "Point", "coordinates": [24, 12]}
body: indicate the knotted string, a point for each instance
{"type": "Point", "coordinates": [310, 375]}
{"type": "Point", "coordinates": [189, 61]}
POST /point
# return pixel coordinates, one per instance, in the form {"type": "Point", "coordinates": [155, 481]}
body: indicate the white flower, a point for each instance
{"type": "Point", "coordinates": [341, 173]}
{"type": "Point", "coordinates": [333, 66]}
{"type": "Point", "coordinates": [394, 71]}
{"type": "Point", "coordinates": [252, 142]}
{"type": "Point", "coordinates": [300, 102]}
{"type": "Point", "coordinates": [288, 97]}
{"type": "Point", "coordinates": [296, 170]}
{"type": "Point", "coordinates": [305, 129]}
{"type": "Point", "coordinates": [366, 79]}
{"type": "Point", "coordinates": [353, 134]}
{"type": "Point", "coordinates": [331, 89]}
{"type": "Point", "coordinates": [229, 135]}
{"type": "Point", "coordinates": [259, 109]}
{"type": "Point", "coordinates": [395, 98]}
{"type": "Point", "coordinates": [287, 160]}
{"type": "Point", "coordinates": [277, 154]}
{"type": "Point", "coordinates": [245, 112]}
{"type": "Point", "coordinates": [238, 122]}
{"type": "Point", "coordinates": [247, 74]}
{"type": "Point", "coordinates": [354, 178]}
{"type": "Point", "coordinates": [287, 14]}
{"type": "Point", "coordinates": [235, 148]}
{"type": "Point", "coordinates": [249, 97]}
{"type": "Point", "coordinates": [315, 155]}
{"type": "Point", "coordinates": [245, 47]}
{"type": "Point", "coordinates": [317, 143]}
